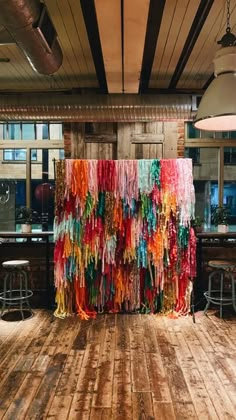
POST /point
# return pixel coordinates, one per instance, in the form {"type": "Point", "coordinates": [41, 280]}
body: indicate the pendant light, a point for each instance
{"type": "Point", "coordinates": [217, 109]}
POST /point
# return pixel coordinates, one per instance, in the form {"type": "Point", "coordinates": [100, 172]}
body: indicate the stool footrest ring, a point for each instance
{"type": "Point", "coordinates": [15, 296]}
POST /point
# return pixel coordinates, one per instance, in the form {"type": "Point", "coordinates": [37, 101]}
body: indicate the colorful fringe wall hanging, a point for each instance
{"type": "Point", "coordinates": [123, 240]}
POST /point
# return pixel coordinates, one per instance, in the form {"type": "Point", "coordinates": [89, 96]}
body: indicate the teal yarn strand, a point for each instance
{"type": "Point", "coordinates": [156, 172]}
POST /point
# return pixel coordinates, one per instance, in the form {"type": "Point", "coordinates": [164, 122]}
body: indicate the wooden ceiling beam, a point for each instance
{"type": "Point", "coordinates": [90, 19]}
{"type": "Point", "coordinates": [155, 13]}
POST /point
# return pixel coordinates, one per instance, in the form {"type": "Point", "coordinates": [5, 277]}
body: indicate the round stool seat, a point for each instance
{"type": "Point", "coordinates": [221, 295]}
{"type": "Point", "coordinates": [15, 263]}
{"type": "Point", "coordinates": [15, 288]}
{"type": "Point", "coordinates": [222, 264]}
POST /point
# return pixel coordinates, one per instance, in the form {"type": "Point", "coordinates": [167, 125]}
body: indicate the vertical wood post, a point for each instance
{"type": "Point", "coordinates": [124, 145]}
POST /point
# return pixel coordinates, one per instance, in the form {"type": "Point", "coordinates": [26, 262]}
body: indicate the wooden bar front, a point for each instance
{"type": "Point", "coordinates": [211, 245]}
{"type": "Point", "coordinates": [37, 248]}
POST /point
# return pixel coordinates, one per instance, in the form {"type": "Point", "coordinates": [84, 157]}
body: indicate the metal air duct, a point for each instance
{"type": "Point", "coordinates": [103, 108]}
{"type": "Point", "coordinates": [30, 26]}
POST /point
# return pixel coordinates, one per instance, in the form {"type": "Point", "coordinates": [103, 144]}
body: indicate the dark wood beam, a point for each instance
{"type": "Point", "coordinates": [147, 138]}
{"type": "Point", "coordinates": [100, 138]}
{"type": "Point", "coordinates": [198, 22]}
{"type": "Point", "coordinates": [167, 91]}
{"type": "Point", "coordinates": [155, 13]}
{"type": "Point", "coordinates": [90, 19]}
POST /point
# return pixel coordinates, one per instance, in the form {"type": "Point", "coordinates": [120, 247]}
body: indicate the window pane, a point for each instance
{"type": "Point", "coordinates": [42, 131]}
{"type": "Point", "coordinates": [4, 131]}
{"type": "Point", "coordinates": [20, 154]}
{"type": "Point", "coordinates": [229, 197]}
{"type": "Point", "coordinates": [42, 185]}
{"type": "Point", "coordinates": [192, 132]}
{"type": "Point", "coordinates": [207, 134]}
{"type": "Point", "coordinates": [193, 153]}
{"type": "Point", "coordinates": [55, 131]}
{"type": "Point", "coordinates": [28, 132]}
{"type": "Point", "coordinates": [205, 178]}
{"type": "Point", "coordinates": [8, 154]}
{"type": "Point", "coordinates": [34, 154]}
{"type": "Point", "coordinates": [14, 131]}
{"type": "Point", "coordinates": [20, 193]}
{"type": "Point", "coordinates": [232, 134]}
{"type": "Point", "coordinates": [230, 155]}
{"type": "Point", "coordinates": [225, 134]}
{"type": "Point", "coordinates": [7, 213]}
{"type": "Point", "coordinates": [61, 154]}
{"type": "Point", "coordinates": [1, 132]}
{"type": "Point", "coordinates": [14, 154]}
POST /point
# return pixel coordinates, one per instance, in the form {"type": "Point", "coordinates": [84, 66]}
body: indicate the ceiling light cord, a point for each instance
{"type": "Point", "coordinates": [228, 39]}
{"type": "Point", "coordinates": [122, 45]}
{"type": "Point", "coordinates": [228, 29]}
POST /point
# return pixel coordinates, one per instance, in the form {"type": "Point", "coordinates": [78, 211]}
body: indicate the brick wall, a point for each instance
{"type": "Point", "coordinates": [180, 139]}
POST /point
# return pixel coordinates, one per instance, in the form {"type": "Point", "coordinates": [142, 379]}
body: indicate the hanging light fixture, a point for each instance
{"type": "Point", "coordinates": [217, 109]}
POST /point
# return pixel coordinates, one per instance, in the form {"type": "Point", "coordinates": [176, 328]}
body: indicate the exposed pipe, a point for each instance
{"type": "Point", "coordinates": [85, 108]}
{"type": "Point", "coordinates": [19, 18]}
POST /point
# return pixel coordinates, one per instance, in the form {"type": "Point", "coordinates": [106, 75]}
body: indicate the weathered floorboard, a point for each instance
{"type": "Point", "coordinates": [118, 367]}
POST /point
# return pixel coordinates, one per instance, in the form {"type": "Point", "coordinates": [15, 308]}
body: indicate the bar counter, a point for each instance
{"type": "Point", "coordinates": [35, 242]}
{"type": "Point", "coordinates": [211, 245]}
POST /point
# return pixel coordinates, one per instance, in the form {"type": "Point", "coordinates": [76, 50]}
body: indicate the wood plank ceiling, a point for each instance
{"type": "Point", "coordinates": [125, 46]}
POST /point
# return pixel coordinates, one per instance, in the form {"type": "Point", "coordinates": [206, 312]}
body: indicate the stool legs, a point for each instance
{"type": "Point", "coordinates": [221, 292]}
{"type": "Point", "coordinates": [21, 296]}
{"type": "Point", "coordinates": [233, 291]}
{"type": "Point", "coordinates": [15, 297]}
{"type": "Point", "coordinates": [26, 299]}
{"type": "Point", "coordinates": [218, 297]}
{"type": "Point", "coordinates": [4, 294]}
{"type": "Point", "coordinates": [209, 293]}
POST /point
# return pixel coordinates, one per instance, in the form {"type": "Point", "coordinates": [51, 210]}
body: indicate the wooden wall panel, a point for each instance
{"type": "Point", "coordinates": [148, 139]}
{"type": "Point", "coordinates": [124, 140]}
{"type": "Point", "coordinates": [77, 141]}
{"type": "Point", "coordinates": [171, 137]}
{"type": "Point", "coordinates": [125, 149]}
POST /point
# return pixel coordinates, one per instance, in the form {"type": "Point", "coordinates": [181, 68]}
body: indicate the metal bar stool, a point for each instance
{"type": "Point", "coordinates": [220, 296]}
{"type": "Point", "coordinates": [15, 287]}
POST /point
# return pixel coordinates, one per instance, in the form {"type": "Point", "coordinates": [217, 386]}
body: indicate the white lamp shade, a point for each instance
{"type": "Point", "coordinates": [217, 109]}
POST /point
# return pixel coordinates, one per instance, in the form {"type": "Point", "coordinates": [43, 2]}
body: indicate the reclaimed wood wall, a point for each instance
{"type": "Point", "coordinates": [141, 140]}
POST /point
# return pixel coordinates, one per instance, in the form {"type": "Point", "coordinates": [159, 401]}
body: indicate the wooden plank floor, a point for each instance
{"type": "Point", "coordinates": [118, 367]}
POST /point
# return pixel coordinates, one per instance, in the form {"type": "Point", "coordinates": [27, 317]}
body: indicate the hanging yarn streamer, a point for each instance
{"type": "Point", "coordinates": [185, 190]}
{"type": "Point", "coordinates": [93, 178]}
{"type": "Point", "coordinates": [122, 234]}
{"type": "Point", "coordinates": [145, 178]}
{"type": "Point", "coordinates": [59, 186]}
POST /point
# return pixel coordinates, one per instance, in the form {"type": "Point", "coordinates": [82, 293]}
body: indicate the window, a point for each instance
{"type": "Point", "coordinates": [31, 131]}
{"type": "Point", "coordinates": [13, 131]}
{"type": "Point", "coordinates": [214, 185]}
{"type": "Point", "coordinates": [61, 154]}
{"type": "Point", "coordinates": [230, 155]}
{"type": "Point", "coordinates": [32, 180]}
{"type": "Point", "coordinates": [55, 131]}
{"type": "Point", "coordinates": [28, 131]}
{"type": "Point", "coordinates": [194, 154]}
{"type": "Point", "coordinates": [194, 133]}
{"type": "Point", "coordinates": [42, 132]}
{"type": "Point", "coordinates": [18, 155]}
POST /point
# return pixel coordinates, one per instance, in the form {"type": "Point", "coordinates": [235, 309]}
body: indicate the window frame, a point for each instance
{"type": "Point", "coordinates": [212, 142]}
{"type": "Point", "coordinates": [14, 159]}
{"type": "Point", "coordinates": [29, 145]}
{"type": "Point", "coordinates": [7, 124]}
